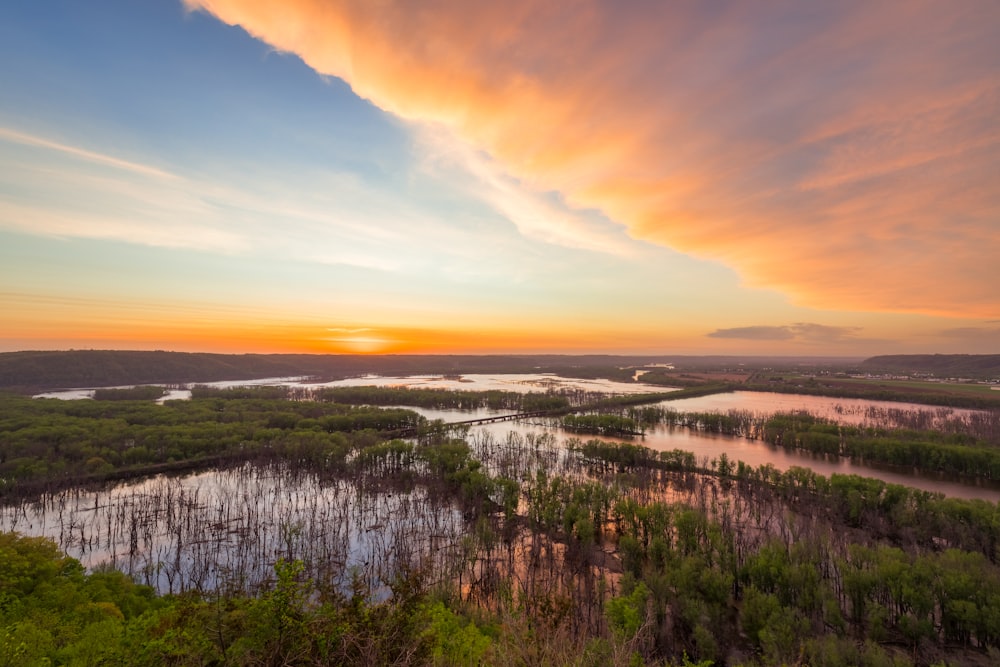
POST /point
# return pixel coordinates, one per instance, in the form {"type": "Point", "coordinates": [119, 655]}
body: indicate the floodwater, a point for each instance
{"type": "Point", "coordinates": [707, 446]}
{"type": "Point", "coordinates": [172, 394]}
{"type": "Point", "coordinates": [228, 527]}
{"type": "Point", "coordinates": [846, 410]}
{"type": "Point", "coordinates": [521, 383]}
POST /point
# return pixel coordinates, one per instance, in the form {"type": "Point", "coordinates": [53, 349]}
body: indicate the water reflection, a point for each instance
{"type": "Point", "coordinates": [228, 527]}
{"type": "Point", "coordinates": [704, 445]}
{"type": "Point", "coordinates": [515, 382]}
{"type": "Point", "coordinates": [845, 410]}
{"type": "Point", "coordinates": [708, 446]}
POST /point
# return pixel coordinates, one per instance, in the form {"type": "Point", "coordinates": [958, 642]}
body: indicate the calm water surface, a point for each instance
{"type": "Point", "coordinates": [197, 530]}
{"type": "Point", "coordinates": [521, 383]}
{"type": "Point", "coordinates": [846, 410]}
{"type": "Point", "coordinates": [172, 394]}
{"type": "Point", "coordinates": [709, 446]}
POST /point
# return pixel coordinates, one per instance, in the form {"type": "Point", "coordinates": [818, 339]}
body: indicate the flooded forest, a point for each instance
{"type": "Point", "coordinates": [293, 524]}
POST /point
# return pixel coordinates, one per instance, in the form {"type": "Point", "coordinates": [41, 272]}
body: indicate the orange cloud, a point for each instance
{"type": "Point", "coordinates": [844, 153]}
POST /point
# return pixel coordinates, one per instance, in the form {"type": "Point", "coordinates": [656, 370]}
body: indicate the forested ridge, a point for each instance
{"type": "Point", "coordinates": [940, 365]}
{"type": "Point", "coordinates": [97, 368]}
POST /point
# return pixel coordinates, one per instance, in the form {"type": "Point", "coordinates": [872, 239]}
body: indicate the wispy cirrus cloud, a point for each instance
{"type": "Point", "coordinates": [808, 332]}
{"type": "Point", "coordinates": [754, 333]}
{"type": "Point", "coordinates": [13, 136]}
{"type": "Point", "coordinates": [842, 153]}
{"type": "Point", "coordinates": [533, 215]}
{"type": "Point", "coordinates": [63, 189]}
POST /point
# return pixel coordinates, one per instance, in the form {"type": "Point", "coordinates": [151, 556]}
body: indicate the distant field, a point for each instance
{"type": "Point", "coordinates": [682, 376]}
{"type": "Point", "coordinates": [721, 376]}
{"type": "Point", "coordinates": [954, 394]}
{"type": "Point", "coordinates": [921, 385]}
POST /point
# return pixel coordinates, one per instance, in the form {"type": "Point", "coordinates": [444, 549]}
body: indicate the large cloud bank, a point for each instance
{"type": "Point", "coordinates": [846, 153]}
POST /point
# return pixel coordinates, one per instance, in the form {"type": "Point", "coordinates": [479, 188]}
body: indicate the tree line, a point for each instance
{"type": "Point", "coordinates": [967, 446]}
{"type": "Point", "coordinates": [933, 450]}
{"type": "Point", "coordinates": [442, 399]}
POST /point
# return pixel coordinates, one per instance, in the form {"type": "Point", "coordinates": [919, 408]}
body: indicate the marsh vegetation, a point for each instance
{"type": "Point", "coordinates": [304, 535]}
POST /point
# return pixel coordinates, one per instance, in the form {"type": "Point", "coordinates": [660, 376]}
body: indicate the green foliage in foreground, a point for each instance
{"type": "Point", "coordinates": [691, 588]}
{"type": "Point", "coordinates": [696, 586]}
{"type": "Point", "coordinates": [876, 574]}
{"type": "Point", "coordinates": [51, 612]}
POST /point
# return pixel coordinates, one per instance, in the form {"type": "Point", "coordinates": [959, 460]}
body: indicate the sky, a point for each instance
{"type": "Point", "coordinates": [332, 176]}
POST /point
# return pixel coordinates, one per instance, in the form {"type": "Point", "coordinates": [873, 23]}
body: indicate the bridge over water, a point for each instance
{"type": "Point", "coordinates": [409, 432]}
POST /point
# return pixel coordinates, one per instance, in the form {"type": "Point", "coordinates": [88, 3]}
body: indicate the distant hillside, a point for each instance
{"type": "Point", "coordinates": [941, 365]}
{"type": "Point", "coordinates": [92, 368]}
{"type": "Point", "coordinates": [38, 370]}
{"type": "Point", "coordinates": [95, 368]}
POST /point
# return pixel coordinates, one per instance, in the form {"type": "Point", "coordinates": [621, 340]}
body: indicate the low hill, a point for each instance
{"type": "Point", "coordinates": [37, 370]}
{"type": "Point", "coordinates": [96, 368]}
{"type": "Point", "coordinates": [939, 365]}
